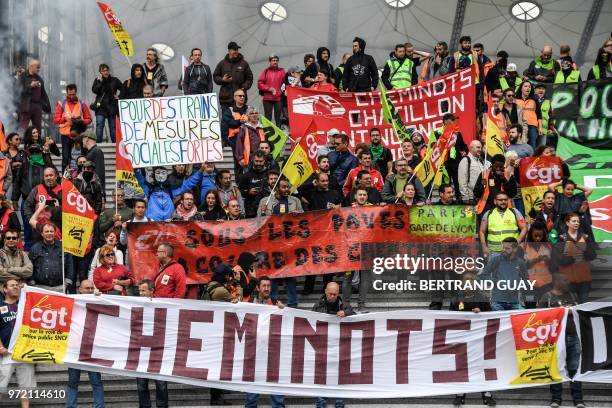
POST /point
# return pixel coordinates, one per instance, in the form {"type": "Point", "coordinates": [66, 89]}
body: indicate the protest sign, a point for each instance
{"type": "Point", "coordinates": [44, 329]}
{"type": "Point", "coordinates": [289, 351]}
{"type": "Point", "coordinates": [124, 172]}
{"type": "Point", "coordinates": [123, 39]}
{"type": "Point", "coordinates": [77, 220]}
{"type": "Point", "coordinates": [594, 325]}
{"type": "Point", "coordinates": [536, 174]}
{"type": "Point", "coordinates": [592, 168]}
{"type": "Point", "coordinates": [171, 130]}
{"type": "Point", "coordinates": [583, 112]}
{"type": "Point", "coordinates": [419, 107]}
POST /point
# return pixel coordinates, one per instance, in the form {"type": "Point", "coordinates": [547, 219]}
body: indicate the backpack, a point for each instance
{"type": "Point", "coordinates": [209, 288]}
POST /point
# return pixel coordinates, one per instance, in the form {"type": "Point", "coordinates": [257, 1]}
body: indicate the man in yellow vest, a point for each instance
{"type": "Point", "coordinates": [400, 71]}
{"type": "Point", "coordinates": [546, 124]}
{"type": "Point", "coordinates": [466, 56]}
{"type": "Point", "coordinates": [500, 223]}
{"type": "Point", "coordinates": [68, 114]}
{"type": "Point", "coordinates": [543, 68]}
{"type": "Point", "coordinates": [511, 79]}
{"type": "Point", "coordinates": [568, 74]}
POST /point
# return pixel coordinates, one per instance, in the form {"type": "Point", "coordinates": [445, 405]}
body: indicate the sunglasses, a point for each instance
{"type": "Point", "coordinates": [10, 238]}
{"type": "Point", "coordinates": [109, 255]}
{"type": "Point", "coordinates": [240, 96]}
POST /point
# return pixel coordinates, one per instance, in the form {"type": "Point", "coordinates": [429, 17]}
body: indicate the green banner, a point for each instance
{"type": "Point", "coordinates": [592, 168]}
{"type": "Point", "coordinates": [453, 221]}
{"type": "Point", "coordinates": [275, 136]}
{"type": "Point", "coordinates": [391, 116]}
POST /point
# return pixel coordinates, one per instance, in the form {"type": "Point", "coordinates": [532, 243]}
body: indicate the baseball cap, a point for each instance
{"type": "Point", "coordinates": [333, 132]}
{"type": "Point", "coordinates": [233, 46]}
{"type": "Point", "coordinates": [511, 67]}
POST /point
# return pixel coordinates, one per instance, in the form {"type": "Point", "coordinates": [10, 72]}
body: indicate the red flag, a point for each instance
{"type": "Point", "coordinates": [309, 143]}
{"type": "Point", "coordinates": [78, 219]}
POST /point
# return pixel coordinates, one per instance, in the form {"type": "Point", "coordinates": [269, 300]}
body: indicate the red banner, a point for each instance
{"type": "Point", "coordinates": [421, 107]}
{"type": "Point", "coordinates": [286, 245]}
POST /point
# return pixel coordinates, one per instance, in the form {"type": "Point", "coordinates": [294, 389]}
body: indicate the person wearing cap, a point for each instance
{"type": "Point", "coordinates": [89, 186]}
{"type": "Point", "coordinates": [232, 73]}
{"type": "Point", "coordinates": [568, 73]}
{"type": "Point", "coordinates": [546, 122]}
{"type": "Point", "coordinates": [543, 68]}
{"type": "Point", "coordinates": [95, 155]}
{"type": "Point", "coordinates": [330, 146]}
{"type": "Point", "coordinates": [155, 73]}
{"type": "Point", "coordinates": [361, 73]}
{"type": "Point", "coordinates": [197, 78]}
{"type": "Point", "coordinates": [270, 83]}
{"type": "Point", "coordinates": [247, 140]}
{"type": "Point", "coordinates": [511, 80]}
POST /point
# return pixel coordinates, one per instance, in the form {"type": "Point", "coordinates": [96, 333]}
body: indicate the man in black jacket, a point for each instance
{"type": "Point", "coordinates": [95, 155]}
{"type": "Point", "coordinates": [252, 182]}
{"type": "Point", "coordinates": [197, 77]}
{"type": "Point", "coordinates": [33, 100]}
{"type": "Point", "coordinates": [360, 73]}
{"type": "Point", "coordinates": [89, 186]}
{"type": "Point", "coordinates": [107, 89]}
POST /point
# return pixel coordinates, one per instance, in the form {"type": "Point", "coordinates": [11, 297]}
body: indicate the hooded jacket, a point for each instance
{"type": "Point", "coordinates": [360, 72]}
{"type": "Point", "coordinates": [242, 77]}
{"type": "Point", "coordinates": [313, 69]}
{"type": "Point", "coordinates": [91, 190]}
{"type": "Point", "coordinates": [132, 88]}
{"type": "Point", "coordinates": [253, 178]}
{"type": "Point", "coordinates": [197, 79]}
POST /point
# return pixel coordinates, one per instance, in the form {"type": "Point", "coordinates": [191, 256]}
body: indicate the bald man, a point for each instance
{"type": "Point", "coordinates": [33, 98]}
{"type": "Point", "coordinates": [74, 375]}
{"type": "Point", "coordinates": [331, 302]}
{"type": "Point", "coordinates": [544, 67]}
{"type": "Point", "coordinates": [470, 167]}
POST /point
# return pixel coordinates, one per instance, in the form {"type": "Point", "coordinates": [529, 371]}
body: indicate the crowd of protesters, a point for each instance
{"type": "Point", "coordinates": [552, 246]}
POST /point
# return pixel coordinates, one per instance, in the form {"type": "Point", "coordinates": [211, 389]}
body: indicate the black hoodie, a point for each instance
{"type": "Point", "coordinates": [313, 69]}
{"type": "Point", "coordinates": [132, 88]}
{"type": "Point", "coordinates": [361, 72]}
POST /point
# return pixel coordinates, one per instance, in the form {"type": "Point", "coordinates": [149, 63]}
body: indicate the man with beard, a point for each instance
{"type": "Point", "coordinates": [227, 190]}
{"type": "Point", "coordinates": [265, 147]}
{"type": "Point", "coordinates": [500, 223]}
{"type": "Point", "coordinates": [439, 64]}
{"type": "Point", "coordinates": [394, 184]}
{"type": "Point", "coordinates": [365, 163]}
{"type": "Point", "coordinates": [382, 158]}
{"type": "Point", "coordinates": [197, 78]}
{"type": "Point", "coordinates": [523, 150]}
{"type": "Point", "coordinates": [69, 113]}
{"type": "Point", "coordinates": [361, 72]}
{"type": "Point", "coordinates": [251, 183]}
{"type": "Point", "coordinates": [364, 182]}
{"type": "Point", "coordinates": [271, 178]}
{"type": "Point", "coordinates": [186, 209]}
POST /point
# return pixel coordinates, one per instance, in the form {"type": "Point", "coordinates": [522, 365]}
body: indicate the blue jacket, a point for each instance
{"type": "Point", "coordinates": [207, 183]}
{"type": "Point", "coordinates": [340, 163]}
{"type": "Point", "coordinates": [160, 198]}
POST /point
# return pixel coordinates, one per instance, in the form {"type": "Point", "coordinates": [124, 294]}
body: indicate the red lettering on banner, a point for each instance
{"type": "Point", "coordinates": [366, 375]}
{"type": "Point", "coordinates": [440, 346]}
{"type": "Point", "coordinates": [274, 348]}
{"type": "Point", "coordinates": [248, 330]}
{"type": "Point", "coordinates": [154, 341]}
{"type": "Point", "coordinates": [302, 331]}
{"type": "Point", "coordinates": [185, 343]}
{"type": "Point", "coordinates": [490, 348]}
{"type": "Point", "coordinates": [403, 328]}
{"type": "Point", "coordinates": [89, 332]}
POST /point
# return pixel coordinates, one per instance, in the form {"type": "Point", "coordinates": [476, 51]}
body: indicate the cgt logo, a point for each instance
{"type": "Point", "coordinates": [540, 332]}
{"type": "Point", "coordinates": [545, 175]}
{"type": "Point", "coordinates": [49, 312]}
{"type": "Point", "coordinates": [74, 199]}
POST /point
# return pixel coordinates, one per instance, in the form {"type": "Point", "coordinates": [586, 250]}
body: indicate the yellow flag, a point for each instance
{"type": "Point", "coordinates": [493, 142]}
{"type": "Point", "coordinates": [123, 39]}
{"type": "Point", "coordinates": [297, 168]}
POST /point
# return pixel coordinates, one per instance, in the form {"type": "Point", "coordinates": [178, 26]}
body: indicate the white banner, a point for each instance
{"type": "Point", "coordinates": [594, 325]}
{"type": "Point", "coordinates": [288, 351]}
{"type": "Point", "coordinates": [171, 129]}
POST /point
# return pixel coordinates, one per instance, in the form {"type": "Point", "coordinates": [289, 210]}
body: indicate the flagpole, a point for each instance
{"type": "Point", "coordinates": [280, 175]}
{"type": "Point", "coordinates": [433, 181]}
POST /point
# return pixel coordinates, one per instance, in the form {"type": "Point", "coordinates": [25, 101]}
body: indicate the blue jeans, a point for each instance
{"type": "Point", "coordinates": [500, 306]}
{"type": "Point", "coordinates": [572, 357]}
{"type": "Point", "coordinates": [100, 127]}
{"type": "Point", "coordinates": [278, 401]}
{"type": "Point", "coordinates": [580, 290]}
{"type": "Point", "coordinates": [95, 379]}
{"type": "Point", "coordinates": [161, 393]}
{"type": "Point", "coordinates": [532, 136]}
{"type": "Point", "coordinates": [322, 402]}
{"type": "Point", "coordinates": [290, 287]}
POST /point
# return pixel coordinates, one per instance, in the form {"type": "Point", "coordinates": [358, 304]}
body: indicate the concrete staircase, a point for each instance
{"type": "Point", "coordinates": [121, 392]}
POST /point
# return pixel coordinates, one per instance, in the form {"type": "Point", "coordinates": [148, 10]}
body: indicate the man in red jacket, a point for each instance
{"type": "Point", "coordinates": [365, 163]}
{"type": "Point", "coordinates": [270, 84]}
{"type": "Point", "coordinates": [171, 280]}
